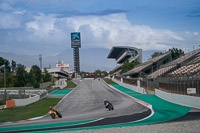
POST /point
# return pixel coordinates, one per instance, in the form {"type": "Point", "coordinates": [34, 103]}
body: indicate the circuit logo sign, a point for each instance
{"type": "Point", "coordinates": [75, 36]}
{"type": "Point", "coordinates": [75, 40]}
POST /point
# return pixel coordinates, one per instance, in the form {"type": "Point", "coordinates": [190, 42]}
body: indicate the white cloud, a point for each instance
{"type": "Point", "coordinates": [9, 21]}
{"type": "Point", "coordinates": [116, 30]}
{"type": "Point", "coordinates": [51, 33]}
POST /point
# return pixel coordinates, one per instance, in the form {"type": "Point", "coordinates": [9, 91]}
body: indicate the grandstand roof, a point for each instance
{"type": "Point", "coordinates": [122, 53]}
{"type": "Point", "coordinates": [115, 51]}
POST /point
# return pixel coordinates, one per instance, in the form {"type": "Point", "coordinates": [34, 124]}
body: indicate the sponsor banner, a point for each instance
{"type": "Point", "coordinates": [191, 90]}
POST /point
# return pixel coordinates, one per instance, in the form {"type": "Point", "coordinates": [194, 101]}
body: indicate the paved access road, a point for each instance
{"type": "Point", "coordinates": [86, 102]}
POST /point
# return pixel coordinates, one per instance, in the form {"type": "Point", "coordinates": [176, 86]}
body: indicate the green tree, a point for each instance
{"type": "Point", "coordinates": [175, 53]}
{"type": "Point", "coordinates": [155, 54]}
{"type": "Point", "coordinates": [21, 76]}
{"type": "Point", "coordinates": [11, 80]}
{"type": "Point", "coordinates": [7, 65]}
{"type": "Point", "coordinates": [1, 61]}
{"type": "Point", "coordinates": [128, 66]}
{"type": "Point", "coordinates": [46, 76]}
{"type": "Point", "coordinates": [35, 76]}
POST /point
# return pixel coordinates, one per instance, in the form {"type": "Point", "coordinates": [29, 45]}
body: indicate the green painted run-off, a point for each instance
{"type": "Point", "coordinates": [61, 92]}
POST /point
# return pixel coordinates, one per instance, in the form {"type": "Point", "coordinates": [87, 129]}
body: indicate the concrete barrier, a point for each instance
{"type": "Point", "coordinates": [131, 87]}
{"type": "Point", "coordinates": [184, 100]}
{"type": "Point", "coordinates": [26, 101]}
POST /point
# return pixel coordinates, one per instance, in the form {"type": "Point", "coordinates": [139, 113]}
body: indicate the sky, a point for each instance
{"type": "Point", "coordinates": [43, 26]}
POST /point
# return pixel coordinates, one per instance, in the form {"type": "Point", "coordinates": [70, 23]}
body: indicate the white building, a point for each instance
{"type": "Point", "coordinates": [61, 71]}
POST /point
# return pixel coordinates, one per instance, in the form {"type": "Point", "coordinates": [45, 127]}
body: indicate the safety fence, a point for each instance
{"type": "Point", "coordinates": [23, 93]}
{"type": "Point", "coordinates": [178, 85]}
{"type": "Point", "coordinates": [133, 81]}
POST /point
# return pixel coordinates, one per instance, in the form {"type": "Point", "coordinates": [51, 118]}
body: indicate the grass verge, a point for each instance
{"type": "Point", "coordinates": [109, 81]}
{"type": "Point", "coordinates": [70, 85]}
{"type": "Point", "coordinates": [36, 109]}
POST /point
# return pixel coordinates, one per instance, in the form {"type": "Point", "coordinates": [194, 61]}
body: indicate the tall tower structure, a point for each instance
{"type": "Point", "coordinates": [76, 44]}
{"type": "Point", "coordinates": [40, 59]}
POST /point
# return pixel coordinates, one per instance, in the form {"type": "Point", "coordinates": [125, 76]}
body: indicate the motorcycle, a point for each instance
{"type": "Point", "coordinates": [55, 114]}
{"type": "Point", "coordinates": [109, 106]}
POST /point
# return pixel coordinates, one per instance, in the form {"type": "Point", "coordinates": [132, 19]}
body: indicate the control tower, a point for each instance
{"type": "Point", "coordinates": [76, 44]}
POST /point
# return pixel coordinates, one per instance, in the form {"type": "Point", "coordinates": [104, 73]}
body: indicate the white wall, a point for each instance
{"type": "Point", "coordinates": [131, 87]}
{"type": "Point", "coordinates": [24, 102]}
{"type": "Point", "coordinates": [184, 100]}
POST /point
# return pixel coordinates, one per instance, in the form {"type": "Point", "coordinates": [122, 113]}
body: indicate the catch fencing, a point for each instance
{"type": "Point", "coordinates": [180, 85]}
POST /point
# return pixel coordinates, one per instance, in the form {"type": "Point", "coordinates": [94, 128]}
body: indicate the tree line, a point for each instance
{"type": "Point", "coordinates": [17, 76]}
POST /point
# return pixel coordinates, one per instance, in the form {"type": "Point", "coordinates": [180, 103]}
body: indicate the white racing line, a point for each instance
{"type": "Point", "coordinates": [135, 99]}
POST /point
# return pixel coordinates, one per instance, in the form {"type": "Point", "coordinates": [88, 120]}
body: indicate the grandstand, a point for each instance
{"type": "Point", "coordinates": [175, 76]}
{"type": "Point", "coordinates": [124, 53]}
{"type": "Point", "coordinates": [169, 67]}
{"type": "Point", "coordinates": [149, 66]}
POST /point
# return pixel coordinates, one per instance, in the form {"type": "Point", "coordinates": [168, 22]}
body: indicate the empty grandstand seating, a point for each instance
{"type": "Point", "coordinates": [161, 71]}
{"type": "Point", "coordinates": [172, 65]}
{"type": "Point", "coordinates": [147, 64]}
{"type": "Point", "coordinates": [194, 61]}
{"type": "Point", "coordinates": [183, 58]}
{"type": "Point", "coordinates": [188, 70]}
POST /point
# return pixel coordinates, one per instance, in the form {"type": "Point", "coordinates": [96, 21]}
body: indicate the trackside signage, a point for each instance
{"type": "Point", "coordinates": [191, 90]}
{"type": "Point", "coordinates": [75, 40]}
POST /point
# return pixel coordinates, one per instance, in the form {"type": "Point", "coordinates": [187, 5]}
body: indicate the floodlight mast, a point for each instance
{"type": "Point", "coordinates": [4, 75]}
{"type": "Point", "coordinates": [40, 59]}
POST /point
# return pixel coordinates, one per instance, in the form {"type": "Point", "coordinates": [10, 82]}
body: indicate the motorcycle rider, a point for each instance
{"type": "Point", "coordinates": [106, 102]}
{"type": "Point", "coordinates": [52, 109]}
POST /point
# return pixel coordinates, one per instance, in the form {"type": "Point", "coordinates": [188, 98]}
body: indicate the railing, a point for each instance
{"type": "Point", "coordinates": [179, 85]}
{"type": "Point", "coordinates": [176, 85]}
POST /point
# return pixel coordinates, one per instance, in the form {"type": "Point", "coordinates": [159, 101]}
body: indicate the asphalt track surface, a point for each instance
{"type": "Point", "coordinates": [86, 103]}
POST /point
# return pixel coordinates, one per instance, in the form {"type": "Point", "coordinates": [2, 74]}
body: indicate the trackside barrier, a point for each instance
{"type": "Point", "coordinates": [131, 87]}
{"type": "Point", "coordinates": [27, 101]}
{"type": "Point", "coordinates": [10, 103]}
{"type": "Point", "coordinates": [190, 101]}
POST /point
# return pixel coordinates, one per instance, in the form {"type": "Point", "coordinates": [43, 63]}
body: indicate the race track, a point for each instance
{"type": "Point", "coordinates": [86, 103]}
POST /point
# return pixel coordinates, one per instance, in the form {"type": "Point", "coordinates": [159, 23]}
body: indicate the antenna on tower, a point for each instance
{"type": "Point", "coordinates": [40, 59]}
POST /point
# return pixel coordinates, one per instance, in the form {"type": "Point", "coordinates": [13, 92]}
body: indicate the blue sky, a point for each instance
{"type": "Point", "coordinates": [44, 26]}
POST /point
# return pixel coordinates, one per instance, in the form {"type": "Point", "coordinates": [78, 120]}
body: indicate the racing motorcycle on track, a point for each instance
{"type": "Point", "coordinates": [108, 105]}
{"type": "Point", "coordinates": [55, 114]}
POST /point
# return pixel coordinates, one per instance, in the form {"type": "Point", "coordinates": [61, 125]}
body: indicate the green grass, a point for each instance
{"type": "Point", "coordinates": [36, 109]}
{"type": "Point", "coordinates": [70, 85]}
{"type": "Point", "coordinates": [109, 81]}
{"type": "Point", "coordinates": [2, 102]}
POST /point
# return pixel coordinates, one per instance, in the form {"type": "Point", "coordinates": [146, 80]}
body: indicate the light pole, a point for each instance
{"type": "Point", "coordinates": [4, 75]}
